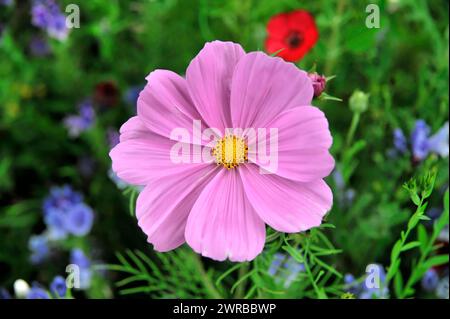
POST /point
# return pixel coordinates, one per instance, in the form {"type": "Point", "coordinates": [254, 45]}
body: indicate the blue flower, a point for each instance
{"type": "Point", "coordinates": [77, 257]}
{"type": "Point", "coordinates": [36, 292]}
{"type": "Point", "coordinates": [430, 280]}
{"type": "Point", "coordinates": [285, 269]}
{"type": "Point", "coordinates": [278, 259]}
{"type": "Point", "coordinates": [351, 285]}
{"type": "Point", "coordinates": [338, 180]}
{"type": "Point", "coordinates": [442, 288]}
{"type": "Point", "coordinates": [422, 144]}
{"type": "Point", "coordinates": [56, 208]}
{"type": "Point", "coordinates": [400, 142]}
{"type": "Point", "coordinates": [132, 94]}
{"type": "Point", "coordinates": [78, 123]}
{"type": "Point", "coordinates": [79, 220]}
{"type": "Point", "coordinates": [57, 27]}
{"type": "Point", "coordinates": [56, 224]}
{"type": "Point", "coordinates": [375, 288]}
{"type": "Point", "coordinates": [293, 268]}
{"type": "Point", "coordinates": [120, 184]}
{"type": "Point", "coordinates": [38, 244]}
{"type": "Point", "coordinates": [65, 213]}
{"type": "Point", "coordinates": [419, 140]}
{"type": "Point", "coordinates": [6, 3]}
{"type": "Point", "coordinates": [61, 199]}
{"type": "Point", "coordinates": [4, 294]}
{"type": "Point", "coordinates": [344, 195]}
{"type": "Point", "coordinates": [58, 286]}
{"type": "Point", "coordinates": [349, 279]}
{"type": "Point", "coordinates": [382, 293]}
{"type": "Point", "coordinates": [47, 15]}
{"type": "Point", "coordinates": [438, 143]}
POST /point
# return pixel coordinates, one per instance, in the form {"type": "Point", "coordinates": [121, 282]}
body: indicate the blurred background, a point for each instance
{"type": "Point", "coordinates": [64, 92]}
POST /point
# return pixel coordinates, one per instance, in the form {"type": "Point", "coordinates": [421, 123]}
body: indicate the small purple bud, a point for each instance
{"type": "Point", "coordinates": [318, 82]}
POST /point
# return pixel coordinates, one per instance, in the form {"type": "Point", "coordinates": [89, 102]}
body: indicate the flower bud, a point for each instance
{"type": "Point", "coordinates": [359, 101]}
{"type": "Point", "coordinates": [318, 82]}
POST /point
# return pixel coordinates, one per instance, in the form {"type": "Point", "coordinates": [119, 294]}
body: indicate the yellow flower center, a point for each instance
{"type": "Point", "coordinates": [230, 151]}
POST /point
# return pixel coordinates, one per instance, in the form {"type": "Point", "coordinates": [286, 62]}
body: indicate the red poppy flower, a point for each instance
{"type": "Point", "coordinates": [106, 94]}
{"type": "Point", "coordinates": [295, 32]}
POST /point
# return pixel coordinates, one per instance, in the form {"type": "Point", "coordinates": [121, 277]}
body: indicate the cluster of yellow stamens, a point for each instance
{"type": "Point", "coordinates": [230, 151]}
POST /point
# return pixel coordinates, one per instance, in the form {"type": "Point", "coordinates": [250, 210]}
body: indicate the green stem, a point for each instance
{"type": "Point", "coordinates": [335, 37]}
{"type": "Point", "coordinates": [403, 241]}
{"type": "Point", "coordinates": [240, 289]}
{"type": "Point", "coordinates": [352, 130]}
{"type": "Point", "coordinates": [422, 258]}
{"type": "Point", "coordinates": [205, 279]}
{"type": "Point", "coordinates": [308, 270]}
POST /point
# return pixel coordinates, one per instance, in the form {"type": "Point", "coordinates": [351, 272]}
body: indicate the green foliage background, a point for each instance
{"type": "Point", "coordinates": [403, 66]}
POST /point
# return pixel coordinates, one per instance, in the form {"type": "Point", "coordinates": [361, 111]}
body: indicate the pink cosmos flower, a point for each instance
{"type": "Point", "coordinates": [221, 210]}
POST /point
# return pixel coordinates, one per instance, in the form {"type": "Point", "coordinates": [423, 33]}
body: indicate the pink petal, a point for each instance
{"type": "Point", "coordinates": [286, 205]}
{"type": "Point", "coordinates": [303, 143]}
{"type": "Point", "coordinates": [164, 104]}
{"type": "Point", "coordinates": [263, 87]}
{"type": "Point", "coordinates": [222, 222]}
{"type": "Point", "coordinates": [209, 80]}
{"type": "Point", "coordinates": [163, 206]}
{"type": "Point", "coordinates": [142, 155]}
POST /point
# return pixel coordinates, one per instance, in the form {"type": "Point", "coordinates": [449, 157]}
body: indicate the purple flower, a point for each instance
{"type": "Point", "coordinates": [349, 279]}
{"type": "Point", "coordinates": [438, 143]}
{"type": "Point", "coordinates": [39, 46]}
{"type": "Point", "coordinates": [58, 286]}
{"type": "Point", "coordinates": [76, 124]}
{"type": "Point", "coordinates": [113, 137]}
{"type": "Point", "coordinates": [351, 285]}
{"type": "Point", "coordinates": [79, 220]}
{"type": "Point", "coordinates": [400, 142]}
{"type": "Point", "coordinates": [47, 15]}
{"type": "Point", "coordinates": [40, 16]}
{"type": "Point", "coordinates": [430, 280]}
{"type": "Point", "coordinates": [56, 207]}
{"type": "Point", "coordinates": [318, 82]}
{"type": "Point", "coordinates": [78, 258]}
{"type": "Point", "coordinates": [375, 288]}
{"type": "Point", "coordinates": [38, 244]}
{"type": "Point", "coordinates": [57, 27]}
{"type": "Point", "coordinates": [56, 225]}
{"type": "Point", "coordinates": [36, 292]}
{"type": "Point", "coordinates": [65, 213]}
{"type": "Point", "coordinates": [61, 199]}
{"type": "Point", "coordinates": [419, 140]}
